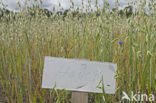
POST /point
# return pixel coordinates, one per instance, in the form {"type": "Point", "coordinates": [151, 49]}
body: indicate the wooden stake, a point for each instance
{"type": "Point", "coordinates": [79, 97]}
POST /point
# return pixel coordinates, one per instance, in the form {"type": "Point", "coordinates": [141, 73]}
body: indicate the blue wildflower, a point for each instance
{"type": "Point", "coordinates": [120, 42]}
{"type": "Point", "coordinates": [133, 31]}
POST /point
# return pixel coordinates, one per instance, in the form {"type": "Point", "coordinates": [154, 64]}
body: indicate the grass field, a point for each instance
{"type": "Point", "coordinates": [24, 41]}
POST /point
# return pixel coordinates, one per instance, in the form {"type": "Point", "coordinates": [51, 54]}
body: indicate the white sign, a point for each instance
{"type": "Point", "coordinates": [78, 75]}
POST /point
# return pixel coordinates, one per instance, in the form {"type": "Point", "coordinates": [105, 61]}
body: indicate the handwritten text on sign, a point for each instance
{"type": "Point", "coordinates": [78, 75]}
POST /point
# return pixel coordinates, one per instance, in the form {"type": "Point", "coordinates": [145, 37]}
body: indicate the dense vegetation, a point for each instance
{"type": "Point", "coordinates": [126, 37]}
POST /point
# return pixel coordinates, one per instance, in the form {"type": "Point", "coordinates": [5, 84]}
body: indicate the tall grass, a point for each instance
{"type": "Point", "coordinates": [26, 40]}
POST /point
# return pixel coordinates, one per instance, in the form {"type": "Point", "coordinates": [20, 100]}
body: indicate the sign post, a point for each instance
{"type": "Point", "coordinates": [79, 76]}
{"type": "Point", "coordinates": [79, 97]}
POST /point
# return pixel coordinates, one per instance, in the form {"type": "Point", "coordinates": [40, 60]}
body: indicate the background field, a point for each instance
{"type": "Point", "coordinates": [122, 37]}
